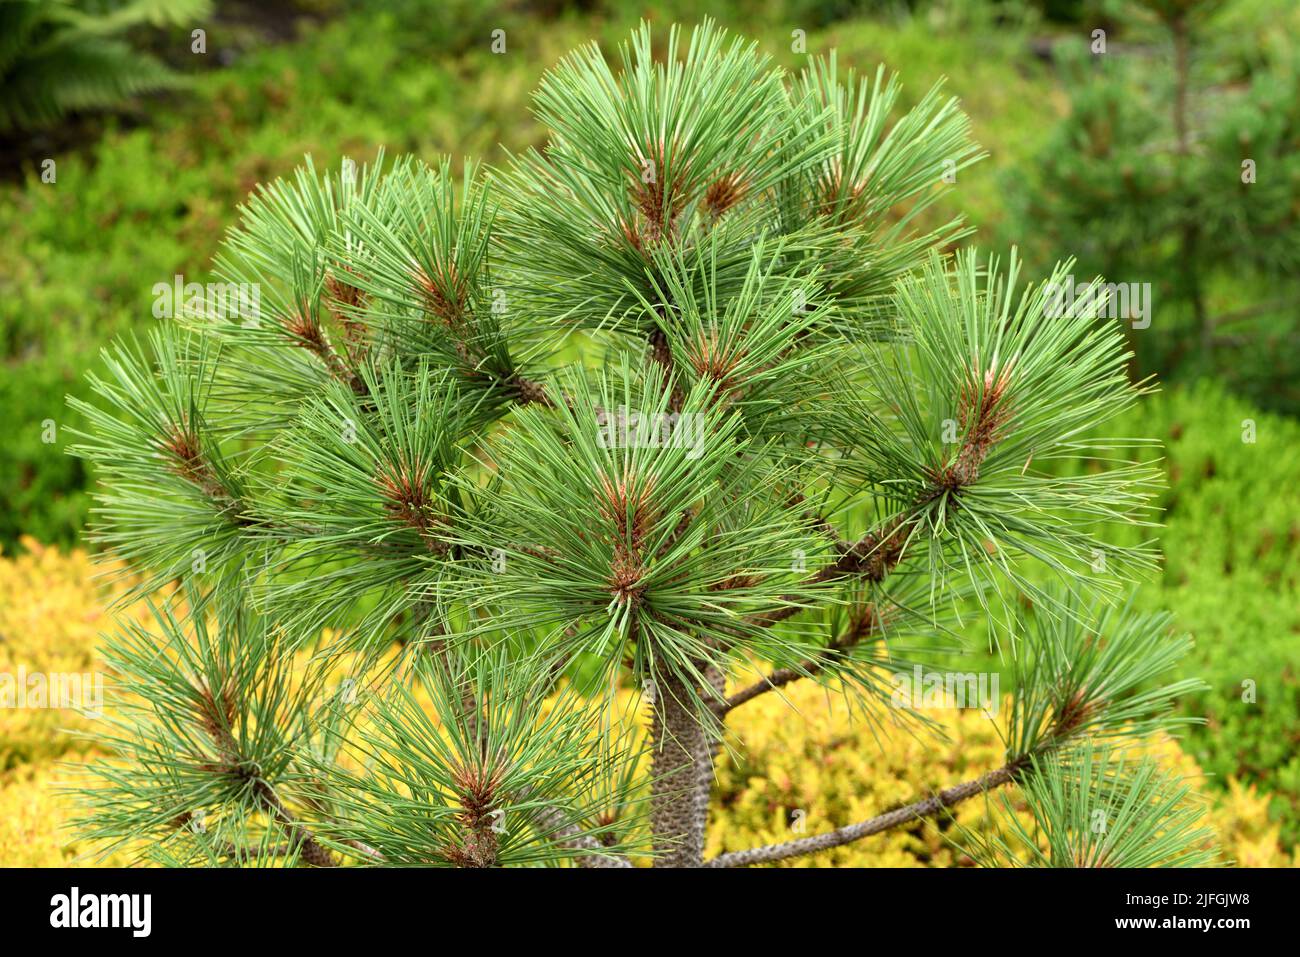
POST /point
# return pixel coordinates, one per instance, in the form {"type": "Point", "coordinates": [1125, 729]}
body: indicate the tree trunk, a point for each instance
{"type": "Point", "coordinates": [1188, 257]}
{"type": "Point", "coordinates": [717, 679]}
{"type": "Point", "coordinates": [679, 746]}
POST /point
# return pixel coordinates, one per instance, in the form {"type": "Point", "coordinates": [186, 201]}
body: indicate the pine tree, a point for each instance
{"type": "Point", "coordinates": [675, 412]}
{"type": "Point", "coordinates": [1176, 167]}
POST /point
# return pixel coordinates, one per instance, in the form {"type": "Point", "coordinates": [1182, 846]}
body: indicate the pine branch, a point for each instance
{"type": "Point", "coordinates": [863, 625]}
{"type": "Point", "coordinates": [217, 712]}
{"type": "Point", "coordinates": [877, 553]}
{"type": "Point", "coordinates": [1095, 806]}
{"type": "Point", "coordinates": [897, 817]}
{"type": "Point", "coordinates": [1071, 684]}
{"type": "Point", "coordinates": [302, 839]}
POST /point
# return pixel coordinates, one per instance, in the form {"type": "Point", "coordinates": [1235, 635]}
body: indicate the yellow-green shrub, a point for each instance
{"type": "Point", "coordinates": [801, 752]}
{"type": "Point", "coordinates": [33, 810]}
{"type": "Point", "coordinates": [52, 611]}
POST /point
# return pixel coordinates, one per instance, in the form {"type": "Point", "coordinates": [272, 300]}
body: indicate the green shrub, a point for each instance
{"type": "Point", "coordinates": [1176, 168]}
{"type": "Point", "coordinates": [1232, 578]}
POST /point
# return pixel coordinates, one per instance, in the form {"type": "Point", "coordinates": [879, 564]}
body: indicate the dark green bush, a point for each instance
{"type": "Point", "coordinates": [1176, 167]}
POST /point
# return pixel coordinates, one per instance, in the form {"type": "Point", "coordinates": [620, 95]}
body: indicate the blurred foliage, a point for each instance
{"type": "Point", "coordinates": [57, 56]}
{"type": "Point", "coordinates": [1232, 578]}
{"type": "Point", "coordinates": [52, 613]}
{"type": "Point", "coordinates": [31, 820]}
{"type": "Point", "coordinates": [1178, 166]}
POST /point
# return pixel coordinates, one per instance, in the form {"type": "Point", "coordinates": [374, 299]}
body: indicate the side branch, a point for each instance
{"type": "Point", "coordinates": [569, 836]}
{"type": "Point", "coordinates": [216, 715]}
{"type": "Point", "coordinates": [863, 626]}
{"type": "Point", "coordinates": [300, 837]}
{"type": "Point", "coordinates": [883, 822]}
{"type": "Point", "coordinates": [877, 553]}
{"type": "Point", "coordinates": [872, 558]}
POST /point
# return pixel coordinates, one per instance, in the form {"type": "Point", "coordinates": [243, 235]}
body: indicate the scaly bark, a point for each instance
{"type": "Point", "coordinates": [717, 681]}
{"type": "Point", "coordinates": [679, 746]}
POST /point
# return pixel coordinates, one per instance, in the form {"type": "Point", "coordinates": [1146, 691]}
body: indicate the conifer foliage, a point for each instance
{"type": "Point", "coordinates": [464, 546]}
